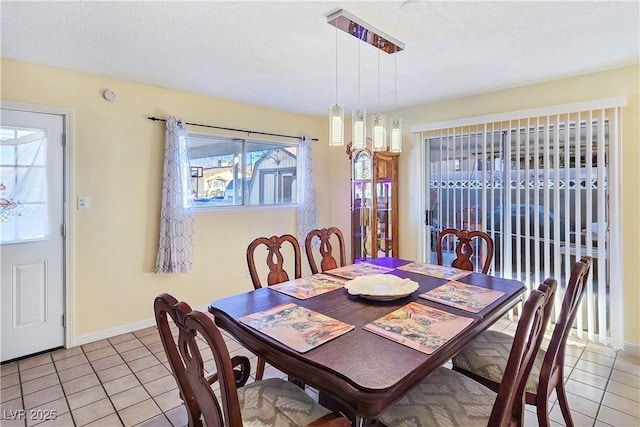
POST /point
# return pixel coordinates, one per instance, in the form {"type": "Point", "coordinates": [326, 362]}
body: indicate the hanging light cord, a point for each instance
{"type": "Point", "coordinates": [336, 62]}
{"type": "Point", "coordinates": [378, 75]}
{"type": "Point", "coordinates": [395, 83]}
{"type": "Point", "coordinates": [359, 74]}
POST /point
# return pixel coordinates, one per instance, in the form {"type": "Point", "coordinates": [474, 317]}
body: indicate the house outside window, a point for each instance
{"type": "Point", "coordinates": [239, 172]}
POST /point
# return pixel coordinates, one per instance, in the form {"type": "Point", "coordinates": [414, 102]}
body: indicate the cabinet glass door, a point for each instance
{"type": "Point", "coordinates": [362, 206]}
{"type": "Point", "coordinates": [384, 215]}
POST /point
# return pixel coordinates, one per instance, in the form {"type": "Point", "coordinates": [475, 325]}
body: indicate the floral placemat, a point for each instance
{"type": "Point", "coordinates": [359, 269]}
{"type": "Point", "coordinates": [439, 271]}
{"type": "Point", "coordinates": [419, 326]}
{"type": "Point", "coordinates": [311, 286]}
{"type": "Point", "coordinates": [463, 296]}
{"type": "Point", "coordinates": [296, 327]}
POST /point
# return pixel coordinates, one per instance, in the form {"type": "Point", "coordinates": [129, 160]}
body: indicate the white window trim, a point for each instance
{"type": "Point", "coordinates": [597, 104]}
{"type": "Point", "coordinates": [223, 210]}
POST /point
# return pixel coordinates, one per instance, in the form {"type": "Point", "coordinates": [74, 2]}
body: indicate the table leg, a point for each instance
{"type": "Point", "coordinates": [365, 422]}
{"type": "Point", "coordinates": [360, 422]}
{"type": "Point", "coordinates": [330, 402]}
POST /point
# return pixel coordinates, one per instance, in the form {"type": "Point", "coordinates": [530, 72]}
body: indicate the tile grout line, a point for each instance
{"type": "Point", "coordinates": [101, 385]}
{"type": "Point", "coordinates": [64, 393]}
{"type": "Point", "coordinates": [133, 373]}
{"type": "Point", "coordinates": [22, 392]}
{"type": "Point", "coordinates": [142, 384]}
{"type": "Point", "coordinates": [163, 413]}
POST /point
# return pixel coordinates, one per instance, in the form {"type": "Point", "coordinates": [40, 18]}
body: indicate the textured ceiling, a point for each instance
{"type": "Point", "coordinates": [283, 54]}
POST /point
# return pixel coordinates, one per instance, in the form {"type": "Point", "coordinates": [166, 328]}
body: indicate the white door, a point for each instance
{"type": "Point", "coordinates": [31, 241]}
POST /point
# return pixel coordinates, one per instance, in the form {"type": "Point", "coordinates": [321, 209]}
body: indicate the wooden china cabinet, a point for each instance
{"type": "Point", "coordinates": [374, 204]}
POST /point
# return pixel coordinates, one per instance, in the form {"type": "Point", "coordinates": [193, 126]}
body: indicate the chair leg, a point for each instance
{"type": "Point", "coordinates": [564, 405]}
{"type": "Point", "coordinates": [542, 409]}
{"type": "Point", "coordinates": [259, 369]}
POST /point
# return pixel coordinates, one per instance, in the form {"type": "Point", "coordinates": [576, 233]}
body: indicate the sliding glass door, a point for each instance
{"type": "Point", "coordinates": [539, 185]}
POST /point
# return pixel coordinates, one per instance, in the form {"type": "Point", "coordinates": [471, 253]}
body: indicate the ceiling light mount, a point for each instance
{"type": "Point", "coordinates": [364, 31]}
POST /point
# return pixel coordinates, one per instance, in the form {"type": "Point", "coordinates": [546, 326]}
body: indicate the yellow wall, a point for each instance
{"type": "Point", "coordinates": [118, 158]}
{"type": "Point", "coordinates": [117, 162]}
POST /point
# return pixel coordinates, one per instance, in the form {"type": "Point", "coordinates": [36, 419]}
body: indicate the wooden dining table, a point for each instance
{"type": "Point", "coordinates": [361, 373]}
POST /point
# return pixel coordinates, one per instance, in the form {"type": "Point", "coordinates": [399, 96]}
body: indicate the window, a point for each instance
{"type": "Point", "coordinates": [237, 172]}
{"type": "Point", "coordinates": [23, 185]}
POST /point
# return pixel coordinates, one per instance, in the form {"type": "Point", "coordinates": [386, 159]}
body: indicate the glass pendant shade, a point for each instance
{"type": "Point", "coordinates": [378, 124]}
{"type": "Point", "coordinates": [395, 145]}
{"type": "Point", "coordinates": [359, 126]}
{"type": "Point", "coordinates": [336, 125]}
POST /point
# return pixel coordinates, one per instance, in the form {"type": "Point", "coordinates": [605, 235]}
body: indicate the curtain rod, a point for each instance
{"type": "Point", "coordinates": [156, 119]}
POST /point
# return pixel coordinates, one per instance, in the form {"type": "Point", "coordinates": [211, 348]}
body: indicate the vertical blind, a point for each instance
{"type": "Point", "coordinates": [540, 183]}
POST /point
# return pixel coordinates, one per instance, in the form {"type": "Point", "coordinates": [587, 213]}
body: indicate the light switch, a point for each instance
{"type": "Point", "coordinates": [83, 202]}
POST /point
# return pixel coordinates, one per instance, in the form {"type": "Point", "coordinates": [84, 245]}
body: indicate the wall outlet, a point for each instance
{"type": "Point", "coordinates": [83, 202]}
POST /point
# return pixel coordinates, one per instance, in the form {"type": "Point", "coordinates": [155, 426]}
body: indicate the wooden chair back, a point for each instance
{"type": "Point", "coordinates": [549, 287]}
{"type": "Point", "coordinates": [215, 415]}
{"type": "Point", "coordinates": [508, 408]}
{"type": "Point", "coordinates": [551, 372]}
{"type": "Point", "coordinates": [327, 261]}
{"type": "Point", "coordinates": [275, 259]}
{"type": "Point", "coordinates": [165, 306]}
{"type": "Point", "coordinates": [568, 310]}
{"type": "Point", "coordinates": [465, 249]}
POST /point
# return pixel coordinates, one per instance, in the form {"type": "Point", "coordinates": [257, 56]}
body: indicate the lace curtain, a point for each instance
{"type": "Point", "coordinates": [306, 190]}
{"type": "Point", "coordinates": [23, 187]}
{"type": "Point", "coordinates": [175, 252]}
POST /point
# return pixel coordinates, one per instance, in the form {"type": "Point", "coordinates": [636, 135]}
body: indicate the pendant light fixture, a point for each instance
{"type": "Point", "coordinates": [395, 143]}
{"type": "Point", "coordinates": [379, 121]}
{"type": "Point", "coordinates": [359, 119]}
{"type": "Point", "coordinates": [336, 113]}
{"type": "Point", "coordinates": [370, 35]}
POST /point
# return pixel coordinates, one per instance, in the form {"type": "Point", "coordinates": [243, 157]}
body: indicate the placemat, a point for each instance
{"type": "Point", "coordinates": [311, 286]}
{"type": "Point", "coordinates": [296, 327]}
{"type": "Point", "coordinates": [463, 296]}
{"type": "Point", "coordinates": [434, 270]}
{"type": "Point", "coordinates": [359, 269]}
{"type": "Point", "coordinates": [419, 326]}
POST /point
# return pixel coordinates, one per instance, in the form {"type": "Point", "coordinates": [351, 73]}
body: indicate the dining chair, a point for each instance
{"type": "Point", "coordinates": [466, 248]}
{"type": "Point", "coordinates": [328, 261]}
{"type": "Point", "coordinates": [447, 397]}
{"type": "Point", "coordinates": [485, 358]}
{"type": "Point", "coordinates": [165, 307]}
{"type": "Point", "coordinates": [274, 259]}
{"type": "Point", "coordinates": [272, 402]}
{"type": "Point", "coordinates": [275, 262]}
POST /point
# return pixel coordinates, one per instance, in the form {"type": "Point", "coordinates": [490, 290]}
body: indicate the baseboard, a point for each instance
{"type": "Point", "coordinates": [119, 330]}
{"type": "Point", "coordinates": [632, 348]}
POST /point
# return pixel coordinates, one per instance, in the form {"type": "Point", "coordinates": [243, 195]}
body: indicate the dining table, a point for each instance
{"type": "Point", "coordinates": [359, 372]}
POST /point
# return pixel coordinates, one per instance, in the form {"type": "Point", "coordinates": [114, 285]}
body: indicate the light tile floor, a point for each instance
{"type": "Point", "coordinates": [126, 381]}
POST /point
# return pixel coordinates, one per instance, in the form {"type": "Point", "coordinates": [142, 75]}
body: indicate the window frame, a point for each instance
{"type": "Point", "coordinates": [245, 204]}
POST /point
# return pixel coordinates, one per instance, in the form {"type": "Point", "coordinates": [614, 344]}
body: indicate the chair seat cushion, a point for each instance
{"type": "Point", "coordinates": [487, 355]}
{"type": "Point", "coordinates": [275, 402]}
{"type": "Point", "coordinates": [445, 398]}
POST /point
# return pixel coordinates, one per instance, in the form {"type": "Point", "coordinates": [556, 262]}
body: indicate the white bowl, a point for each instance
{"type": "Point", "coordinates": [381, 287]}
